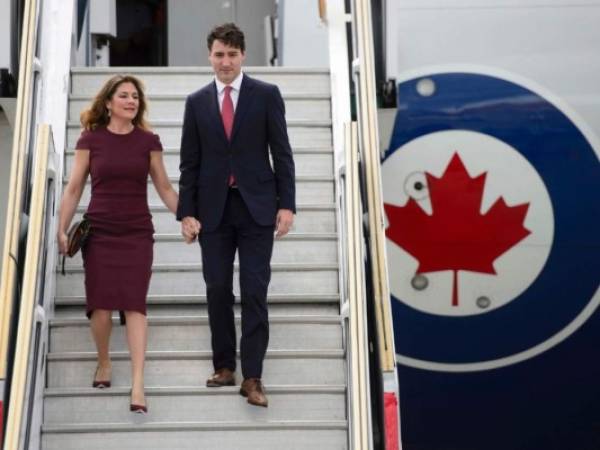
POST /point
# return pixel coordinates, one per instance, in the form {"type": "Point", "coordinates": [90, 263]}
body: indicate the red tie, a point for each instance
{"type": "Point", "coordinates": [227, 111]}
{"type": "Point", "coordinates": [227, 117]}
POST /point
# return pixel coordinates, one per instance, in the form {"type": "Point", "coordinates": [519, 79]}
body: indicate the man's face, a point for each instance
{"type": "Point", "coordinates": [226, 61]}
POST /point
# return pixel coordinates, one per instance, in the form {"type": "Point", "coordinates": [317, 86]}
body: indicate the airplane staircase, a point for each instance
{"type": "Point", "coordinates": [305, 368]}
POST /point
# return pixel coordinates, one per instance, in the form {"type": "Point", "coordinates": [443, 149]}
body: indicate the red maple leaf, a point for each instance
{"type": "Point", "coordinates": [456, 236]}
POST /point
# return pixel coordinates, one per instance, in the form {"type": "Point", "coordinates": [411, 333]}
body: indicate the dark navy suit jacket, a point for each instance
{"type": "Point", "coordinates": [208, 157]}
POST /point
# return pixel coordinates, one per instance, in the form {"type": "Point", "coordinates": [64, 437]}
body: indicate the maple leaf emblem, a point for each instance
{"type": "Point", "coordinates": [456, 236]}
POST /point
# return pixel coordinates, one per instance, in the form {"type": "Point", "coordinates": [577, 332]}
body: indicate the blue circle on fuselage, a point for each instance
{"type": "Point", "coordinates": [570, 169]}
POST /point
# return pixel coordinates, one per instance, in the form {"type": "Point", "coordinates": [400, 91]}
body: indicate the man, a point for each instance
{"type": "Point", "coordinates": [231, 198]}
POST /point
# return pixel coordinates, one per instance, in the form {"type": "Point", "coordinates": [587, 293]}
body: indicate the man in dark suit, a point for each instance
{"type": "Point", "coordinates": [232, 199]}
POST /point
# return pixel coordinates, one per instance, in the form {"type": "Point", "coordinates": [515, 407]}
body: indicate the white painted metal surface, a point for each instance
{"type": "Point", "coordinates": [440, 32]}
{"type": "Point", "coordinates": [103, 17]}
{"type": "Point", "coordinates": [302, 36]}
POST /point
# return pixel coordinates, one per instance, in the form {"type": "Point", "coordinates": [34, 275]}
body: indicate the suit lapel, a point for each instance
{"type": "Point", "coordinates": [244, 100]}
{"type": "Point", "coordinates": [215, 112]}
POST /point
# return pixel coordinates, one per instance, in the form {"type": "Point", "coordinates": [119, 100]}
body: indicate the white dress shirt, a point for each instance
{"type": "Point", "coordinates": [235, 91]}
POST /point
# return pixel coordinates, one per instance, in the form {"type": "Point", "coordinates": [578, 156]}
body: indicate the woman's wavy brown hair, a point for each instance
{"type": "Point", "coordinates": [97, 114]}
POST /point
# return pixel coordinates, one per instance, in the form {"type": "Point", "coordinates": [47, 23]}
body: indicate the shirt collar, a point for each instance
{"type": "Point", "coordinates": [235, 84]}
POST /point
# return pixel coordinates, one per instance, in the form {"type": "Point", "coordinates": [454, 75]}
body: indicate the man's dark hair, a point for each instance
{"type": "Point", "coordinates": [229, 34]}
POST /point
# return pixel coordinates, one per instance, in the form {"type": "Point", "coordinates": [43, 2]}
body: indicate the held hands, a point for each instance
{"type": "Point", "coordinates": [285, 219]}
{"type": "Point", "coordinates": [190, 229]}
{"type": "Point", "coordinates": [190, 226]}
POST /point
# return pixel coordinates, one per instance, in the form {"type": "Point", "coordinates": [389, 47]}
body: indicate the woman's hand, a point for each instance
{"type": "Point", "coordinates": [63, 242]}
{"type": "Point", "coordinates": [71, 196]}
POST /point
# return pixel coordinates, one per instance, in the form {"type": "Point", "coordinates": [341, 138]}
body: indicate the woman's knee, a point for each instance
{"type": "Point", "coordinates": [101, 316]}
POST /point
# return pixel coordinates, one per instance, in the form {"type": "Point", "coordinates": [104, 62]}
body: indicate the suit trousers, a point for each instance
{"type": "Point", "coordinates": [254, 243]}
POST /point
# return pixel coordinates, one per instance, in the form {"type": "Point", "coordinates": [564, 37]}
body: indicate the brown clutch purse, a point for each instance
{"type": "Point", "coordinates": [76, 237]}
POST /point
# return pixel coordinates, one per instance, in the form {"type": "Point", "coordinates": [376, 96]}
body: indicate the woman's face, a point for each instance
{"type": "Point", "coordinates": [125, 102]}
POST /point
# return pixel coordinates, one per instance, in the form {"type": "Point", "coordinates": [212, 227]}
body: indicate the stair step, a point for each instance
{"type": "Point", "coordinates": [96, 406]}
{"type": "Point", "coordinates": [183, 310]}
{"type": "Point", "coordinates": [309, 189]}
{"type": "Point", "coordinates": [307, 248]}
{"type": "Point", "coordinates": [308, 161]}
{"type": "Point", "coordinates": [137, 433]}
{"type": "Point", "coordinates": [193, 334]}
{"type": "Point", "coordinates": [186, 279]}
{"type": "Point", "coordinates": [171, 107]}
{"type": "Point", "coordinates": [302, 133]}
{"type": "Point", "coordinates": [285, 300]}
{"type": "Point", "coordinates": [185, 80]}
{"type": "Point", "coordinates": [309, 218]}
{"type": "Point", "coordinates": [194, 305]}
{"type": "Point", "coordinates": [191, 368]}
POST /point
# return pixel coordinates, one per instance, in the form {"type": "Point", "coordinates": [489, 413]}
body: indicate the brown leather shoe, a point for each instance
{"type": "Point", "coordinates": [253, 389]}
{"type": "Point", "coordinates": [222, 377]}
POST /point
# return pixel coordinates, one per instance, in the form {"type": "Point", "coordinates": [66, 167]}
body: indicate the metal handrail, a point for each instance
{"type": "Point", "coordinates": [29, 294]}
{"type": "Point", "coordinates": [8, 280]}
{"type": "Point", "coordinates": [367, 113]}
{"type": "Point", "coordinates": [366, 105]}
{"type": "Point", "coordinates": [360, 419]}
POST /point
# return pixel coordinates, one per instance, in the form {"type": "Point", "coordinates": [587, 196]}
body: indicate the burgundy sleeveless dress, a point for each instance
{"type": "Point", "coordinates": [117, 257]}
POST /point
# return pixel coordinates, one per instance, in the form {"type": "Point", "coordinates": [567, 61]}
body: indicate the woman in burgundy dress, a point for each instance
{"type": "Point", "coordinates": [119, 152]}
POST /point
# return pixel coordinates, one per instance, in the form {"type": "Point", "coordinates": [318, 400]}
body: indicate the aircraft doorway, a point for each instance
{"type": "Point", "coordinates": [141, 34]}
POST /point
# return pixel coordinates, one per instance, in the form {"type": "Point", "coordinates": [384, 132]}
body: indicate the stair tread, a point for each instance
{"type": "Point", "coordinates": [190, 390]}
{"type": "Point", "coordinates": [203, 319]}
{"type": "Point", "coordinates": [208, 426]}
{"type": "Point", "coordinates": [292, 236]}
{"type": "Point", "coordinates": [169, 70]}
{"type": "Point", "coordinates": [182, 97]}
{"type": "Point", "coordinates": [195, 354]}
{"type": "Point", "coordinates": [191, 267]}
{"type": "Point", "coordinates": [299, 178]}
{"type": "Point", "coordinates": [194, 299]}
{"type": "Point", "coordinates": [296, 150]}
{"type": "Point", "coordinates": [178, 123]}
{"type": "Point", "coordinates": [300, 208]}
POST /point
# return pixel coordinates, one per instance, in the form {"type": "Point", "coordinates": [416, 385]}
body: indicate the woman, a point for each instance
{"type": "Point", "coordinates": [119, 152]}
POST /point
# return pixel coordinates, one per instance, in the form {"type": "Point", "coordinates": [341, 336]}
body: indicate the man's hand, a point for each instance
{"type": "Point", "coordinates": [190, 229]}
{"type": "Point", "coordinates": [285, 219]}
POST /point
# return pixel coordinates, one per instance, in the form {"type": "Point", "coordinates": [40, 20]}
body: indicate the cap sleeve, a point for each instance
{"type": "Point", "coordinates": [155, 145]}
{"type": "Point", "coordinates": [85, 141]}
